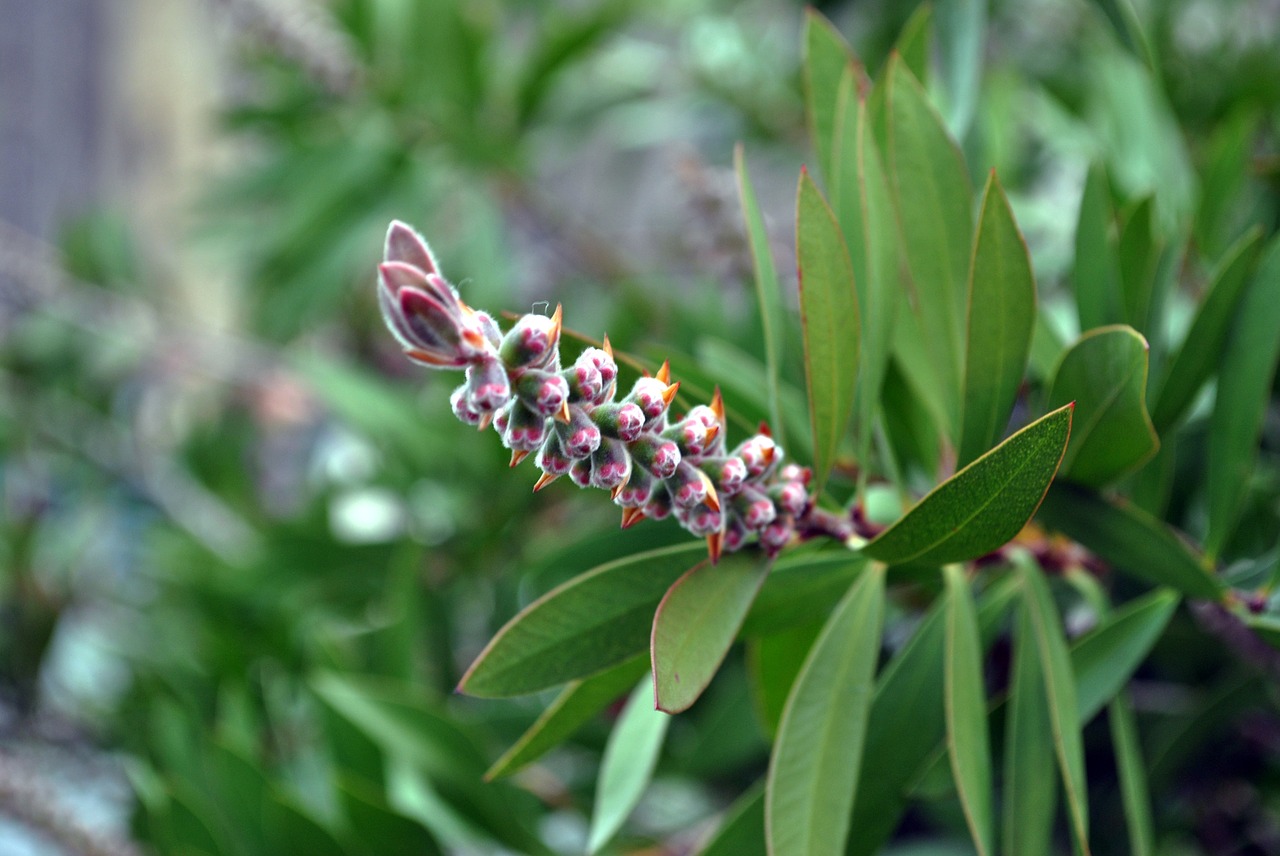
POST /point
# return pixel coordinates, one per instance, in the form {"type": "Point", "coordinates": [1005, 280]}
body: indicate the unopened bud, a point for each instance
{"type": "Point", "coordinates": [777, 534]}
{"type": "Point", "coordinates": [403, 244]}
{"type": "Point", "coordinates": [487, 385]}
{"type": "Point", "coordinates": [551, 457]}
{"type": "Point", "coordinates": [431, 323]}
{"type": "Point", "coordinates": [603, 363]}
{"type": "Point", "coordinates": [638, 489]}
{"type": "Point", "coordinates": [728, 474]}
{"type": "Point", "coordinates": [525, 430]}
{"type": "Point", "coordinates": [688, 485]}
{"type": "Point", "coordinates": [735, 534]}
{"type": "Point", "coordinates": [660, 457]}
{"type": "Point", "coordinates": [622, 420]}
{"type": "Point", "coordinates": [579, 436]}
{"type": "Point", "coordinates": [701, 520]}
{"type": "Point", "coordinates": [610, 465]}
{"type": "Point", "coordinates": [460, 401]}
{"type": "Point", "coordinates": [542, 392]}
{"type": "Point", "coordinates": [754, 508]}
{"type": "Point", "coordinates": [580, 472]}
{"type": "Point", "coordinates": [791, 496]}
{"type": "Point", "coordinates": [653, 396]}
{"type": "Point", "coordinates": [759, 453]}
{"type": "Point", "coordinates": [531, 343]}
{"type": "Point", "coordinates": [659, 505]}
{"type": "Point", "coordinates": [585, 382]}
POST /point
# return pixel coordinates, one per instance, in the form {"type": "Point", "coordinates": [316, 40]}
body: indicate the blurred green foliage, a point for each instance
{"type": "Point", "coordinates": [286, 550]}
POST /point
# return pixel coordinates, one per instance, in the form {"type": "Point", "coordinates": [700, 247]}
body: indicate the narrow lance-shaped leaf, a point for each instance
{"type": "Point", "coordinates": [934, 212]}
{"type": "Point", "coordinates": [983, 506]}
{"type": "Point", "coordinates": [773, 312]}
{"type": "Point", "coordinates": [968, 745]}
{"type": "Point", "coordinates": [961, 27]}
{"type": "Point", "coordinates": [1128, 539]}
{"type": "Point", "coordinates": [1105, 374]}
{"type": "Point", "coordinates": [1105, 659]}
{"type": "Point", "coordinates": [741, 833]}
{"type": "Point", "coordinates": [1000, 319]}
{"type": "Point", "coordinates": [1133, 777]}
{"type": "Point", "coordinates": [1030, 794]}
{"type": "Point", "coordinates": [816, 761]}
{"type": "Point", "coordinates": [1097, 271]}
{"type": "Point", "coordinates": [576, 704]}
{"type": "Point", "coordinates": [826, 54]}
{"type": "Point", "coordinates": [1201, 350]}
{"type": "Point", "coordinates": [1139, 254]}
{"type": "Point", "coordinates": [695, 624]}
{"type": "Point", "coordinates": [773, 662]}
{"type": "Point", "coordinates": [916, 40]}
{"type": "Point", "coordinates": [588, 624]}
{"type": "Point", "coordinates": [829, 314]}
{"type": "Point", "coordinates": [630, 756]}
{"type": "Point", "coordinates": [1244, 384]}
{"type": "Point", "coordinates": [1059, 686]}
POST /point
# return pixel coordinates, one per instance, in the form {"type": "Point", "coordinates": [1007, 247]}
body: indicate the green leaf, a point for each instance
{"type": "Point", "coordinates": [1030, 796]}
{"type": "Point", "coordinates": [907, 723]}
{"type": "Point", "coordinates": [968, 744]}
{"type": "Point", "coordinates": [695, 624]}
{"type": "Point", "coordinates": [1097, 272]}
{"type": "Point", "coordinates": [576, 705]}
{"type": "Point", "coordinates": [1201, 350]}
{"type": "Point", "coordinates": [984, 505]}
{"type": "Point", "coordinates": [773, 662]}
{"type": "Point", "coordinates": [1139, 254]}
{"type": "Point", "coordinates": [934, 212]}
{"type": "Point", "coordinates": [1060, 690]}
{"type": "Point", "coordinates": [800, 589]}
{"type": "Point", "coordinates": [1105, 374]}
{"type": "Point", "coordinates": [826, 54]}
{"type": "Point", "coordinates": [376, 827]}
{"type": "Point", "coordinates": [1133, 777]}
{"type": "Point", "coordinates": [816, 760]}
{"type": "Point", "coordinates": [1244, 385]}
{"type": "Point", "coordinates": [630, 756]}
{"type": "Point", "coordinates": [1105, 658]}
{"type": "Point", "coordinates": [829, 315]}
{"type": "Point", "coordinates": [913, 43]}
{"type": "Point", "coordinates": [863, 205]}
{"type": "Point", "coordinates": [741, 833]}
{"type": "Point", "coordinates": [773, 311]}
{"type": "Point", "coordinates": [1001, 316]}
{"type": "Point", "coordinates": [1128, 539]}
{"type": "Point", "coordinates": [588, 624]}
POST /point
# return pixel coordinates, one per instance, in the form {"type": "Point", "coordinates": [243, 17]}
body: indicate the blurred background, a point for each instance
{"type": "Point", "coordinates": [245, 549]}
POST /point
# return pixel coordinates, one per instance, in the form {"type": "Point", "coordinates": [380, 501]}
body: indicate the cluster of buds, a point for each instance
{"type": "Point", "coordinates": [653, 464]}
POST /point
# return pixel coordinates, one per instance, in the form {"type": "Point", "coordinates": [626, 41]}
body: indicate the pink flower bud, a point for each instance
{"type": "Point", "coordinates": [461, 404]}
{"type": "Point", "coordinates": [729, 474]}
{"type": "Point", "coordinates": [700, 520]}
{"type": "Point", "coordinates": [580, 472]}
{"type": "Point", "coordinates": [551, 457]}
{"type": "Point", "coordinates": [585, 382]}
{"type": "Point", "coordinates": [658, 456]}
{"type": "Point", "coordinates": [580, 437]}
{"type": "Point", "coordinates": [776, 535]}
{"type": "Point", "coordinates": [425, 314]}
{"type": "Point", "coordinates": [653, 396]}
{"type": "Point", "coordinates": [487, 385]}
{"type": "Point", "coordinates": [638, 489]}
{"type": "Point", "coordinates": [692, 436]}
{"type": "Point", "coordinates": [621, 420]}
{"type": "Point", "coordinates": [405, 245]}
{"type": "Point", "coordinates": [659, 505]}
{"type": "Point", "coordinates": [759, 453]}
{"type": "Point", "coordinates": [525, 430]}
{"type": "Point", "coordinates": [542, 392]}
{"type": "Point", "coordinates": [688, 485]}
{"type": "Point", "coordinates": [791, 496]}
{"type": "Point", "coordinates": [532, 343]}
{"type": "Point", "coordinates": [610, 465]}
{"type": "Point", "coordinates": [753, 508]}
{"type": "Point", "coordinates": [735, 534]}
{"type": "Point", "coordinates": [605, 366]}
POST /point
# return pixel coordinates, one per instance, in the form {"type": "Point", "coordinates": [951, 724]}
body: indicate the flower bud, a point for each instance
{"type": "Point", "coordinates": [525, 430]}
{"type": "Point", "coordinates": [658, 456]}
{"type": "Point", "coordinates": [487, 385]}
{"type": "Point", "coordinates": [735, 534]}
{"type": "Point", "coordinates": [403, 244]}
{"type": "Point", "coordinates": [551, 457]}
{"type": "Point", "coordinates": [653, 396]}
{"type": "Point", "coordinates": [585, 382]}
{"type": "Point", "coordinates": [425, 314]}
{"type": "Point", "coordinates": [753, 508]}
{"type": "Point", "coordinates": [580, 436]}
{"type": "Point", "coordinates": [623, 420]}
{"type": "Point", "coordinates": [610, 465]}
{"type": "Point", "coordinates": [489, 327]}
{"type": "Point", "coordinates": [689, 486]}
{"type": "Point", "coordinates": [728, 474]}
{"type": "Point", "coordinates": [776, 535]}
{"type": "Point", "coordinates": [580, 472]}
{"type": "Point", "coordinates": [638, 489]}
{"type": "Point", "coordinates": [604, 365]}
{"type": "Point", "coordinates": [460, 401]}
{"type": "Point", "coordinates": [659, 505]}
{"type": "Point", "coordinates": [532, 342]}
{"type": "Point", "coordinates": [692, 436]}
{"type": "Point", "coordinates": [791, 496]}
{"type": "Point", "coordinates": [759, 453]}
{"type": "Point", "coordinates": [701, 520]}
{"type": "Point", "coordinates": [542, 392]}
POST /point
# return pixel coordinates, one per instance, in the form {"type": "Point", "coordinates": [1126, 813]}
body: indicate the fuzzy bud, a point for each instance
{"type": "Point", "coordinates": [604, 365]}
{"type": "Point", "coordinates": [729, 474]}
{"type": "Point", "coordinates": [580, 436]}
{"type": "Point", "coordinates": [585, 382]}
{"type": "Point", "coordinates": [638, 489]}
{"type": "Point", "coordinates": [754, 508]}
{"type": "Point", "coordinates": [426, 316]}
{"type": "Point", "coordinates": [621, 420]}
{"type": "Point", "coordinates": [524, 430]}
{"type": "Point", "coordinates": [460, 401]}
{"type": "Point", "coordinates": [701, 520]}
{"type": "Point", "coordinates": [610, 465]}
{"type": "Point", "coordinates": [688, 485]}
{"type": "Point", "coordinates": [551, 457]}
{"type": "Point", "coordinates": [776, 535]}
{"type": "Point", "coordinates": [653, 396]}
{"type": "Point", "coordinates": [692, 436]}
{"type": "Point", "coordinates": [531, 343]}
{"type": "Point", "coordinates": [658, 456]}
{"type": "Point", "coordinates": [542, 392]}
{"type": "Point", "coordinates": [488, 388]}
{"type": "Point", "coordinates": [659, 505]}
{"type": "Point", "coordinates": [791, 496]}
{"type": "Point", "coordinates": [759, 453]}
